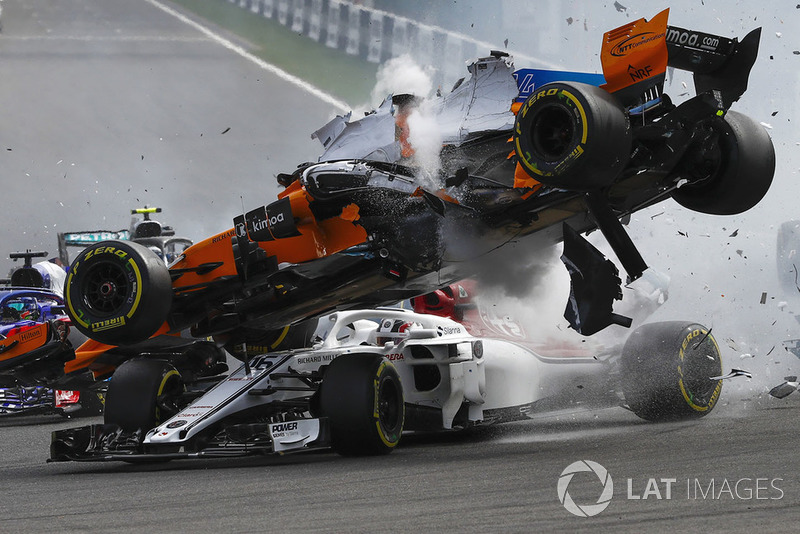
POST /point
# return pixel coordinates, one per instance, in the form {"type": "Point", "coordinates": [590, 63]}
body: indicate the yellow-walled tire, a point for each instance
{"type": "Point", "coordinates": [118, 292]}
{"type": "Point", "coordinates": [666, 370]}
{"type": "Point", "coordinates": [572, 136]}
{"type": "Point", "coordinates": [362, 397]}
{"type": "Point", "coordinates": [132, 399]}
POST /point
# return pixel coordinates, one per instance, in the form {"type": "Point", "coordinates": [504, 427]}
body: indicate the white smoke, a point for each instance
{"type": "Point", "coordinates": [426, 139]}
{"type": "Point", "coordinates": [402, 75]}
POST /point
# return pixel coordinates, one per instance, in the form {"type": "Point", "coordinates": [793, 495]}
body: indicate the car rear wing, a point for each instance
{"type": "Point", "coordinates": [635, 58]}
{"type": "Point", "coordinates": [82, 240]}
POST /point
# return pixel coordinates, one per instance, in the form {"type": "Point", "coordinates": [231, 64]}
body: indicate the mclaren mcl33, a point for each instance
{"type": "Point", "coordinates": [529, 156]}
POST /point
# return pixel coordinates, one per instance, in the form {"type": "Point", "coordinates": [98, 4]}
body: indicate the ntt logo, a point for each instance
{"type": "Point", "coordinates": [585, 510]}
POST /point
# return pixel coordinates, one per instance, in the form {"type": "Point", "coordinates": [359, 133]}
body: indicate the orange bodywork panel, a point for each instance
{"type": "Point", "coordinates": [90, 350]}
{"type": "Point", "coordinates": [22, 340]}
{"type": "Point", "coordinates": [315, 239]}
{"type": "Point", "coordinates": [522, 180]}
{"type": "Point", "coordinates": [85, 355]}
{"type": "Point", "coordinates": [635, 53]}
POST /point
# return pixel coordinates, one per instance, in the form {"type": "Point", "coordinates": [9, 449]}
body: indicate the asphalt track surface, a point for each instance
{"type": "Point", "coordinates": [102, 83]}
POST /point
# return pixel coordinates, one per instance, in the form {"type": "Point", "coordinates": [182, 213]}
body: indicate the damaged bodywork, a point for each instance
{"type": "Point", "coordinates": [371, 223]}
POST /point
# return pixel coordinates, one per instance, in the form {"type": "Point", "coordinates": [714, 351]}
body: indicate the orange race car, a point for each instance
{"type": "Point", "coordinates": [369, 225]}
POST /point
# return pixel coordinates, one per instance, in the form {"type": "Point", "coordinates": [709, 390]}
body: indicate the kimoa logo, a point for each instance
{"type": "Point", "coordinates": [264, 223]}
{"type": "Point", "coordinates": [585, 510]}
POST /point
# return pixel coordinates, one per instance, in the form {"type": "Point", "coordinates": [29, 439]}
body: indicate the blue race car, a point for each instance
{"type": "Point", "coordinates": [35, 342]}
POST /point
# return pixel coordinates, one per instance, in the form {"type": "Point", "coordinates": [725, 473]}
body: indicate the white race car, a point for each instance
{"type": "Point", "coordinates": [370, 375]}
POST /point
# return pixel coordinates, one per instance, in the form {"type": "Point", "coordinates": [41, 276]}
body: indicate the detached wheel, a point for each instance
{"type": "Point", "coordinates": [572, 136]}
{"type": "Point", "coordinates": [734, 175]}
{"type": "Point", "coordinates": [362, 397]}
{"type": "Point", "coordinates": [118, 292]}
{"type": "Point", "coordinates": [667, 369]}
{"type": "Point", "coordinates": [141, 393]}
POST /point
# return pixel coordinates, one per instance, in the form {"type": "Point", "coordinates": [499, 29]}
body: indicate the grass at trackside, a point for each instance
{"type": "Point", "coordinates": [346, 77]}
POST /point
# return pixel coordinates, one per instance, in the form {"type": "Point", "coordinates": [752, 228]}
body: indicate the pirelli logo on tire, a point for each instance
{"type": "Point", "coordinates": [107, 324]}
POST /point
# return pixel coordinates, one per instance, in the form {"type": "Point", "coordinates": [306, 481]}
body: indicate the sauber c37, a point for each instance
{"type": "Point", "coordinates": [371, 375]}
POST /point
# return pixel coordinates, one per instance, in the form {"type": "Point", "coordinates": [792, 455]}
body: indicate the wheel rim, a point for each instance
{"type": "Point", "coordinates": [106, 288]}
{"type": "Point", "coordinates": [552, 133]}
{"type": "Point", "coordinates": [389, 410]}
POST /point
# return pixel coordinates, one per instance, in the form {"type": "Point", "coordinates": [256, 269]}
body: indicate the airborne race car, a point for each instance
{"type": "Point", "coordinates": [356, 232]}
{"type": "Point", "coordinates": [366, 227]}
{"type": "Point", "coordinates": [372, 374]}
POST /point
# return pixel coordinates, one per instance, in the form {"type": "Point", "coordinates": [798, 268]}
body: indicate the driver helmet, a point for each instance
{"type": "Point", "coordinates": [389, 330]}
{"type": "Point", "coordinates": [30, 309]}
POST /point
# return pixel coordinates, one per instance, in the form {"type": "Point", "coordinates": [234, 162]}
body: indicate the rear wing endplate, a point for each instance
{"type": "Point", "coordinates": [635, 58]}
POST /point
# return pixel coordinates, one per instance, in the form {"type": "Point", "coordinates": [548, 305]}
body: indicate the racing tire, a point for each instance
{"type": "Point", "coordinates": [572, 136]}
{"type": "Point", "coordinates": [740, 177]}
{"type": "Point", "coordinates": [362, 397]}
{"type": "Point", "coordinates": [138, 393]}
{"type": "Point", "coordinates": [666, 371]}
{"type": "Point", "coordinates": [118, 292]}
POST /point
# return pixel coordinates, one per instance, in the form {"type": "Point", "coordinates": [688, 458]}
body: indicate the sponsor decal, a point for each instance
{"type": "Point", "coordinates": [257, 226]}
{"type": "Point", "coordinates": [95, 237]}
{"type": "Point", "coordinates": [29, 335]}
{"type": "Point", "coordinates": [395, 356]}
{"type": "Point", "coordinates": [106, 250]}
{"type": "Point", "coordinates": [284, 430]}
{"type": "Point", "coordinates": [223, 237]}
{"type": "Point", "coordinates": [633, 42]}
{"type": "Point", "coordinates": [449, 330]}
{"type": "Point", "coordinates": [640, 73]}
{"type": "Point", "coordinates": [268, 223]}
{"type": "Point", "coordinates": [693, 39]}
{"type": "Point", "coordinates": [240, 227]}
{"type": "Point", "coordinates": [107, 324]}
{"type": "Point", "coordinates": [283, 427]}
{"type": "Point", "coordinates": [317, 358]}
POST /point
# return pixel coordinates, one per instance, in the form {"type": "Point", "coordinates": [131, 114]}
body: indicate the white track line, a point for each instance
{"type": "Point", "coordinates": [280, 73]}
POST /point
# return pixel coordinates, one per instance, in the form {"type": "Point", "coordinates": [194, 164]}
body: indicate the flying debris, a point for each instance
{"type": "Point", "coordinates": [619, 7]}
{"type": "Point", "coordinates": [793, 346]}
{"type": "Point", "coordinates": [784, 390]}
{"type": "Point", "coordinates": [733, 374]}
